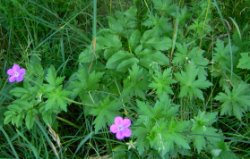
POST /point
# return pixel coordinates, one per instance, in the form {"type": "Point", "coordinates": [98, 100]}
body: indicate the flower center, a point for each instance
{"type": "Point", "coordinates": [120, 127]}
{"type": "Point", "coordinates": [16, 74]}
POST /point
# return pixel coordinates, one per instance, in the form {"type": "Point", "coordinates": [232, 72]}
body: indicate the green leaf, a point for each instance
{"type": "Point", "coordinates": [16, 112]}
{"type": "Point", "coordinates": [47, 117]}
{"type": "Point", "coordinates": [108, 42]}
{"type": "Point", "coordinates": [190, 85]}
{"type": "Point", "coordinates": [136, 83]}
{"type": "Point", "coordinates": [221, 59]}
{"type": "Point", "coordinates": [56, 100]}
{"type": "Point", "coordinates": [134, 39]}
{"type": "Point", "coordinates": [117, 58]}
{"type": "Point", "coordinates": [87, 56]}
{"type": "Point", "coordinates": [124, 22]}
{"type": "Point", "coordinates": [199, 143]}
{"type": "Point", "coordinates": [30, 118]}
{"type": "Point", "coordinates": [181, 141]}
{"type": "Point", "coordinates": [52, 78]}
{"type": "Point", "coordinates": [104, 111]}
{"type": "Point", "coordinates": [124, 65]}
{"type": "Point", "coordinates": [162, 82]}
{"type": "Point", "coordinates": [195, 56]}
{"type": "Point", "coordinates": [165, 137]}
{"type": "Point", "coordinates": [164, 6]}
{"type": "Point", "coordinates": [236, 101]}
{"type": "Point", "coordinates": [82, 81]}
{"type": "Point", "coordinates": [147, 57]}
{"type": "Point", "coordinates": [151, 39]}
{"type": "Point", "coordinates": [162, 24]}
{"type": "Point", "coordinates": [202, 131]}
{"type": "Point", "coordinates": [244, 62]}
{"type": "Point", "coordinates": [157, 127]}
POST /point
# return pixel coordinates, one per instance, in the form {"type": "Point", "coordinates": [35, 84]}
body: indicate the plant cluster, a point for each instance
{"type": "Point", "coordinates": [157, 66]}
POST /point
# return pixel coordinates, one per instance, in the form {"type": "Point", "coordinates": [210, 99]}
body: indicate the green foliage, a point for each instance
{"type": "Point", "coordinates": [121, 61]}
{"type": "Point", "coordinates": [54, 93]}
{"type": "Point", "coordinates": [162, 82]}
{"type": "Point", "coordinates": [191, 84]}
{"type": "Point", "coordinates": [184, 56]}
{"type": "Point", "coordinates": [136, 84]}
{"type": "Point", "coordinates": [105, 112]}
{"type": "Point", "coordinates": [164, 7]}
{"type": "Point", "coordinates": [221, 59]}
{"type": "Point", "coordinates": [158, 128]}
{"type": "Point", "coordinates": [204, 134]}
{"type": "Point", "coordinates": [169, 66]}
{"type": "Point", "coordinates": [123, 23]}
{"type": "Point", "coordinates": [151, 39]}
{"type": "Point", "coordinates": [244, 61]}
{"type": "Point", "coordinates": [81, 82]}
{"type": "Point", "coordinates": [36, 99]}
{"type": "Point", "coordinates": [107, 42]}
{"type": "Point", "coordinates": [235, 101]}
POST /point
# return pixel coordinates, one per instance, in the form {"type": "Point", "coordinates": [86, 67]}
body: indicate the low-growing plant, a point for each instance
{"type": "Point", "coordinates": [160, 68]}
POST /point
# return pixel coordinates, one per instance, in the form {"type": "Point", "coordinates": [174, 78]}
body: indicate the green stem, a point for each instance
{"type": "Point", "coordinates": [72, 101]}
{"type": "Point", "coordinates": [176, 25]}
{"type": "Point", "coordinates": [68, 122]}
{"type": "Point", "coordinates": [94, 18]}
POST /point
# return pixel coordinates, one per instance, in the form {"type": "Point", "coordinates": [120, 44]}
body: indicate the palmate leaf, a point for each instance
{"type": "Point", "coordinates": [222, 151]}
{"type": "Point", "coordinates": [56, 100]}
{"type": "Point", "coordinates": [18, 110]}
{"type": "Point", "coordinates": [202, 128]}
{"type": "Point", "coordinates": [136, 83]}
{"type": "Point", "coordinates": [184, 55]}
{"type": "Point", "coordinates": [221, 59]}
{"type": "Point", "coordinates": [244, 62]}
{"type": "Point", "coordinates": [157, 127]}
{"type": "Point", "coordinates": [30, 118]}
{"type": "Point", "coordinates": [149, 56]}
{"type": "Point", "coordinates": [82, 82]}
{"type": "Point", "coordinates": [105, 112]}
{"type": "Point", "coordinates": [162, 82]}
{"type": "Point", "coordinates": [52, 79]}
{"type": "Point", "coordinates": [88, 55]}
{"type": "Point", "coordinates": [236, 101]}
{"type": "Point", "coordinates": [164, 6]}
{"type": "Point", "coordinates": [160, 23]}
{"type": "Point", "coordinates": [165, 136]}
{"type": "Point", "coordinates": [106, 42]}
{"type": "Point", "coordinates": [54, 92]}
{"type": "Point", "coordinates": [152, 40]}
{"type": "Point", "coordinates": [121, 61]}
{"type": "Point", "coordinates": [191, 84]}
{"type": "Point", "coordinates": [124, 22]}
{"type": "Point", "coordinates": [134, 39]}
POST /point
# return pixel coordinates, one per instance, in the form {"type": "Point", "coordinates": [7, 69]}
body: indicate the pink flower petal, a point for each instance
{"type": "Point", "coordinates": [19, 78]}
{"type": "Point", "coordinates": [10, 71]}
{"type": "Point", "coordinates": [22, 71]}
{"type": "Point", "coordinates": [113, 128]}
{"type": "Point", "coordinates": [126, 122]}
{"type": "Point", "coordinates": [12, 79]}
{"type": "Point", "coordinates": [16, 67]}
{"type": "Point", "coordinates": [118, 120]}
{"type": "Point", "coordinates": [127, 132]}
{"type": "Point", "coordinates": [119, 135]}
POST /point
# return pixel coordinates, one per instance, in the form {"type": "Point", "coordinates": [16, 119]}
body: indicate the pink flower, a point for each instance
{"type": "Point", "coordinates": [16, 73]}
{"type": "Point", "coordinates": [121, 127]}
